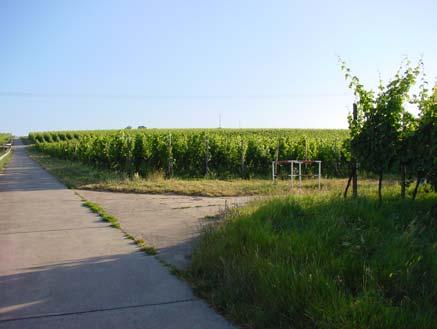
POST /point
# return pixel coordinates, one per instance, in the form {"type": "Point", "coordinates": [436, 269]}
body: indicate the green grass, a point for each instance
{"type": "Point", "coordinates": [150, 250]}
{"type": "Point", "coordinates": [318, 261]}
{"type": "Point", "coordinates": [79, 176]}
{"type": "Point", "coordinates": [95, 208]}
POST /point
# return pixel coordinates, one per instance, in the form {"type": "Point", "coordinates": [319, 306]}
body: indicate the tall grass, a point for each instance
{"type": "Point", "coordinates": [323, 262]}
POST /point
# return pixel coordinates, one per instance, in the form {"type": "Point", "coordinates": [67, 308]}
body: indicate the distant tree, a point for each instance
{"type": "Point", "coordinates": [142, 127]}
{"type": "Point", "coordinates": [128, 127]}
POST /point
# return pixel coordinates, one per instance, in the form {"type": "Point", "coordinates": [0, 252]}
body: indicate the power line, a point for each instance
{"type": "Point", "coordinates": [19, 94]}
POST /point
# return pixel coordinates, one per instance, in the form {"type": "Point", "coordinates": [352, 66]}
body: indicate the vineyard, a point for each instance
{"type": "Point", "coordinates": [197, 152]}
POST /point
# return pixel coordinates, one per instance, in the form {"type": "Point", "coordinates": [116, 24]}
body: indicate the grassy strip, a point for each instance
{"type": "Point", "coordinates": [323, 262]}
{"type": "Point", "coordinates": [6, 160]}
{"type": "Point", "coordinates": [97, 209]}
{"type": "Point", "coordinates": [79, 176]}
{"type": "Point", "coordinates": [150, 250]}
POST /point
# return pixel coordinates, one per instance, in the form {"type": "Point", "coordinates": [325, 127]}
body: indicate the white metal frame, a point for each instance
{"type": "Point", "coordinates": [299, 164]}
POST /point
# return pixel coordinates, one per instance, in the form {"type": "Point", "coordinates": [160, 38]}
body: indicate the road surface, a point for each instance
{"type": "Point", "coordinates": [60, 267]}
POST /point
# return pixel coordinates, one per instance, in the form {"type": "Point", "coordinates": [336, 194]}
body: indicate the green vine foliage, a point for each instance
{"type": "Point", "coordinates": [223, 153]}
{"type": "Point", "coordinates": [383, 126]}
{"type": "Point", "coordinates": [424, 139]}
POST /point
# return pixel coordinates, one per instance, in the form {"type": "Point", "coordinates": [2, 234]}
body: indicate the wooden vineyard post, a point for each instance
{"type": "Point", "coordinates": [320, 172]}
{"type": "Point", "coordinates": [170, 157]}
{"type": "Point", "coordinates": [206, 156]}
{"type": "Point", "coordinates": [273, 171]}
{"type": "Point", "coordinates": [403, 165]}
{"type": "Point", "coordinates": [403, 179]}
{"type": "Point", "coordinates": [354, 161]}
{"type": "Point", "coordinates": [353, 165]}
{"type": "Point", "coordinates": [300, 174]}
{"type": "Point", "coordinates": [276, 159]}
{"type": "Point", "coordinates": [243, 159]}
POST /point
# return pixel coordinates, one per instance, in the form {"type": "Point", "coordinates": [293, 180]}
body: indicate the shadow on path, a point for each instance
{"type": "Point", "coordinates": [84, 286]}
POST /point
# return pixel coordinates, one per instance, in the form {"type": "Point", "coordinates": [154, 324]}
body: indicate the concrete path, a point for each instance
{"type": "Point", "coordinates": [170, 223]}
{"type": "Point", "coordinates": [60, 267]}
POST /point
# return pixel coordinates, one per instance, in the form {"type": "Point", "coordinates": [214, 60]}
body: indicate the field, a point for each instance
{"type": "Point", "coordinates": [297, 258]}
{"type": "Point", "coordinates": [212, 153]}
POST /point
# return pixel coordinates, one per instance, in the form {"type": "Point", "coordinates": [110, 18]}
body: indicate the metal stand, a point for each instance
{"type": "Point", "coordinates": [292, 166]}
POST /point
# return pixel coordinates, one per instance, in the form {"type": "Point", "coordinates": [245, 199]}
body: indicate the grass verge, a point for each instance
{"type": "Point", "coordinates": [79, 176]}
{"type": "Point", "coordinates": [97, 209]}
{"type": "Point", "coordinates": [5, 160]}
{"type": "Point", "coordinates": [323, 262]}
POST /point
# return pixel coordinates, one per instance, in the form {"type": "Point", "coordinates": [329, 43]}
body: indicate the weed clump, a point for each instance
{"type": "Point", "coordinates": [95, 208]}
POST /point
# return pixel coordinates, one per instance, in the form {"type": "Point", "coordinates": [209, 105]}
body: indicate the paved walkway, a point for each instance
{"type": "Point", "coordinates": [170, 223]}
{"type": "Point", "coordinates": [60, 267]}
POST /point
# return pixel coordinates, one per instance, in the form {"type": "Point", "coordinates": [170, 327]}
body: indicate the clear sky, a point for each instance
{"type": "Point", "coordinates": [91, 64]}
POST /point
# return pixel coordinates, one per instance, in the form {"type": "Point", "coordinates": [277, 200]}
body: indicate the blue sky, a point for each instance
{"type": "Point", "coordinates": [108, 64]}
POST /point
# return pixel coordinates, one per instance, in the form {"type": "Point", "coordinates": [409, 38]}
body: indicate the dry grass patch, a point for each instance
{"type": "Point", "coordinates": [79, 176]}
